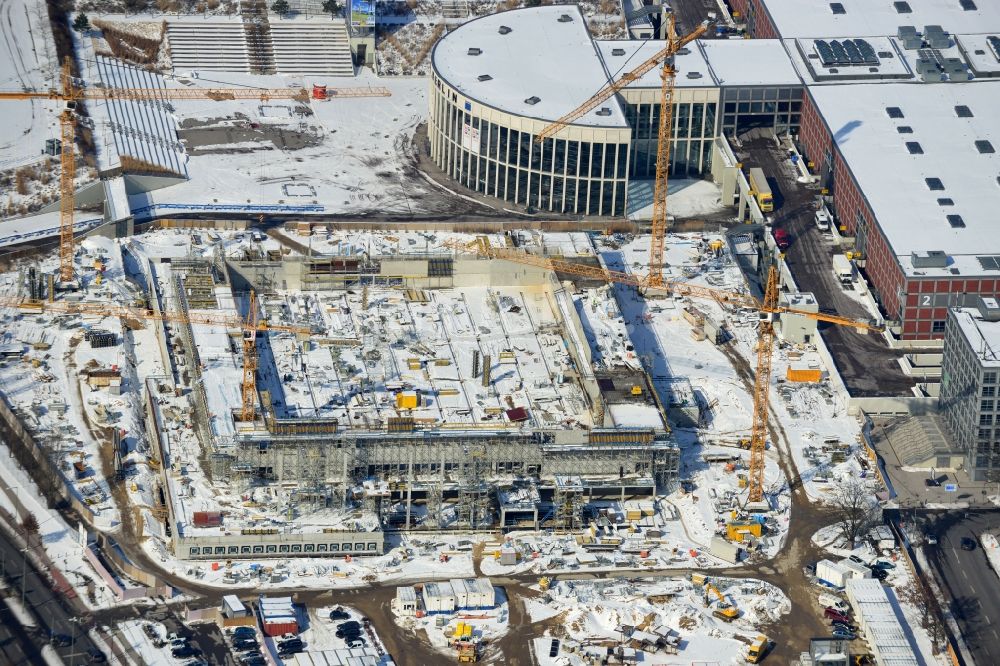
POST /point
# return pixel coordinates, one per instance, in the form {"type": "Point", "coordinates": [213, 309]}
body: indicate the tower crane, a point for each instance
{"type": "Point", "coordinates": [668, 74]}
{"type": "Point", "coordinates": [768, 308]}
{"type": "Point", "coordinates": [73, 92]}
{"type": "Point", "coordinates": [250, 326]}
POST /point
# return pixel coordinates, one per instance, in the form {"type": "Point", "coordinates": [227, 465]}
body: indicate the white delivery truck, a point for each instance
{"type": "Point", "coordinates": [843, 269]}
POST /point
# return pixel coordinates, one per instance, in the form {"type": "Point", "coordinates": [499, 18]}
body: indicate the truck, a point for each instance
{"type": "Point", "coordinates": [760, 190]}
{"type": "Point", "coordinates": [758, 649]}
{"type": "Point", "coordinates": [843, 269]}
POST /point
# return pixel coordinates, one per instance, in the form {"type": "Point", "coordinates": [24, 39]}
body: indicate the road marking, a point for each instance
{"type": "Point", "coordinates": [973, 589]}
{"type": "Point", "coordinates": [988, 620]}
{"type": "Point", "coordinates": [964, 575]}
{"type": "Point", "coordinates": [995, 635]}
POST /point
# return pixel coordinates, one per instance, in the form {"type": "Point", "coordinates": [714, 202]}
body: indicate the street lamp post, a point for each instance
{"type": "Point", "coordinates": [24, 572]}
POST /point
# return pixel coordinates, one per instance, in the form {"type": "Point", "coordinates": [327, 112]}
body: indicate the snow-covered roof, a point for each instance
{"type": "Point", "coordinates": [621, 56]}
{"type": "Point", "coordinates": [142, 130]}
{"type": "Point", "coordinates": [895, 160]}
{"type": "Point", "coordinates": [749, 62]}
{"type": "Point", "coordinates": [983, 336]}
{"type": "Point", "coordinates": [543, 55]}
{"type": "Point", "coordinates": [864, 18]}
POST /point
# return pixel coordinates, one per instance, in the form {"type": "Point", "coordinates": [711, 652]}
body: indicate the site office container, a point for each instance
{"type": "Point", "coordinates": [279, 626]}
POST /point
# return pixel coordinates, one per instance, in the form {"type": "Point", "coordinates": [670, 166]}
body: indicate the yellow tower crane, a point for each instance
{"type": "Point", "coordinates": [72, 92]}
{"type": "Point", "coordinates": [668, 74]}
{"type": "Point", "coordinates": [768, 308]}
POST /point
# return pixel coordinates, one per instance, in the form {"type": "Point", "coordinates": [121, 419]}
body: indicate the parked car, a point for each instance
{"type": "Point", "coordinates": [96, 656]}
{"type": "Point", "coordinates": [339, 613]}
{"type": "Point", "coordinates": [880, 574]}
{"type": "Point", "coordinates": [244, 632]}
{"type": "Point", "coordinates": [842, 626]}
{"type": "Point", "coordinates": [356, 643]}
{"type": "Point", "coordinates": [846, 635]}
{"type": "Point", "coordinates": [882, 564]}
{"type": "Point", "coordinates": [184, 651]}
{"type": "Point", "coordinates": [834, 614]}
{"type": "Point", "coordinates": [61, 640]}
{"type": "Point", "coordinates": [254, 661]}
{"type": "Point", "coordinates": [932, 483]}
{"type": "Point", "coordinates": [348, 634]}
{"type": "Point", "coordinates": [968, 543]}
{"type": "Point", "coordinates": [351, 624]}
{"type": "Point", "coordinates": [245, 644]}
{"type": "Point", "coordinates": [782, 239]}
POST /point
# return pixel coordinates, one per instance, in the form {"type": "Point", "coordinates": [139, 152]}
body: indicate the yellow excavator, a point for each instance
{"type": "Point", "coordinates": [723, 610]}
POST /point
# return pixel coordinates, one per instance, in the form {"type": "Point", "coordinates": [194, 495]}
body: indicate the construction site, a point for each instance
{"type": "Point", "coordinates": [464, 330]}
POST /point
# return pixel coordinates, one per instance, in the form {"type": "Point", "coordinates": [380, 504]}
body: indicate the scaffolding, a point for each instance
{"type": "Point", "coordinates": [567, 501]}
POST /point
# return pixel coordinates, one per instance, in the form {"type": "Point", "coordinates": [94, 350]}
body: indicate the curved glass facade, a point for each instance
{"type": "Point", "coordinates": [494, 155]}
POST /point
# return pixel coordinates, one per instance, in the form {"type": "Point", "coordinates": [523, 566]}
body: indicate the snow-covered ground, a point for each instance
{"type": "Point", "coordinates": [903, 591]}
{"type": "Point", "coordinates": [487, 625]}
{"type": "Point", "coordinates": [363, 144]}
{"type": "Point", "coordinates": [595, 614]}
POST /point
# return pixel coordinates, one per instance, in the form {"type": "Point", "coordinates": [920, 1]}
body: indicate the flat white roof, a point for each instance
{"type": "Point", "coordinates": [541, 56]}
{"type": "Point", "coordinates": [749, 62]}
{"type": "Point", "coordinates": [977, 53]}
{"type": "Point", "coordinates": [621, 56]}
{"type": "Point", "coordinates": [983, 336]}
{"type": "Point", "coordinates": [706, 62]}
{"type": "Point", "coordinates": [865, 18]}
{"type": "Point", "coordinates": [893, 179]}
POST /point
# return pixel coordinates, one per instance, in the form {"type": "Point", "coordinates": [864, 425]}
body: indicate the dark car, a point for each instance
{"type": "Point", "coordinates": [254, 661]}
{"type": "Point", "coordinates": [842, 626]}
{"type": "Point", "coordinates": [932, 483]}
{"type": "Point", "coordinates": [291, 642]}
{"type": "Point", "coordinates": [184, 651]}
{"type": "Point", "coordinates": [882, 564]}
{"type": "Point", "coordinates": [244, 632]}
{"type": "Point", "coordinates": [880, 574]}
{"type": "Point", "coordinates": [96, 656]}
{"type": "Point", "coordinates": [245, 644]}
{"type": "Point", "coordinates": [352, 624]}
{"type": "Point", "coordinates": [339, 614]}
{"type": "Point", "coordinates": [846, 635]}
{"type": "Point", "coordinates": [968, 543]}
{"type": "Point", "coordinates": [348, 634]}
{"type": "Point", "coordinates": [61, 640]}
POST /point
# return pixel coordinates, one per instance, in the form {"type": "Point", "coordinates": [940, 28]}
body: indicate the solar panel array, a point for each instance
{"type": "Point", "coordinates": [845, 52]}
{"type": "Point", "coordinates": [994, 43]}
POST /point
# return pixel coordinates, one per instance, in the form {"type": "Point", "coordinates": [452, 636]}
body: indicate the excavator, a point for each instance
{"type": "Point", "coordinates": [723, 610]}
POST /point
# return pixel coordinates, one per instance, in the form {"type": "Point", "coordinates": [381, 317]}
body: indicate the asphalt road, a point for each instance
{"type": "Point", "coordinates": [50, 610]}
{"type": "Point", "coordinates": [866, 363]}
{"type": "Point", "coordinates": [973, 587]}
{"type": "Point", "coordinates": [16, 646]}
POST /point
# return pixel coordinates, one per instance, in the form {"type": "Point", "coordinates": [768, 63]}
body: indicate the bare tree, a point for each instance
{"type": "Point", "coordinates": [855, 508]}
{"type": "Point", "coordinates": [919, 596]}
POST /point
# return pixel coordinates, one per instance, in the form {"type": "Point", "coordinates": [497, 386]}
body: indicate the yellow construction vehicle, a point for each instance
{"type": "Point", "coordinates": [738, 530]}
{"type": "Point", "coordinates": [724, 610]}
{"type": "Point", "coordinates": [543, 583]}
{"type": "Point", "coordinates": [467, 653]}
{"type": "Point", "coordinates": [698, 579]}
{"type": "Point", "coordinates": [758, 649]}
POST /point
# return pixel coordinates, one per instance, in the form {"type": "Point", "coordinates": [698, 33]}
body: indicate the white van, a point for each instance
{"type": "Point", "coordinates": [823, 219]}
{"type": "Point", "coordinates": [830, 601]}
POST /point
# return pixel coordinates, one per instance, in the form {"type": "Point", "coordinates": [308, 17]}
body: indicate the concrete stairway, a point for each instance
{"type": "Point", "coordinates": [207, 45]}
{"type": "Point", "coordinates": [313, 47]}
{"type": "Point", "coordinates": [455, 9]}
